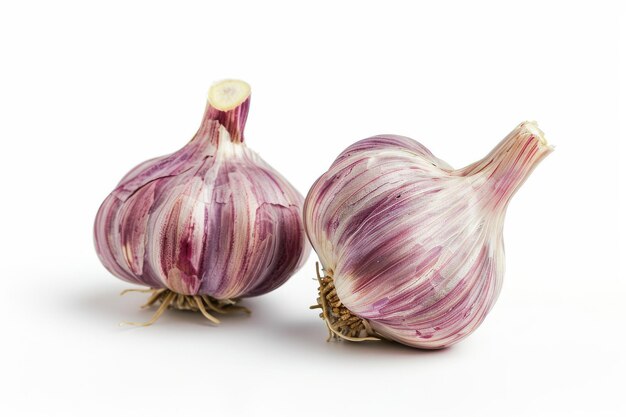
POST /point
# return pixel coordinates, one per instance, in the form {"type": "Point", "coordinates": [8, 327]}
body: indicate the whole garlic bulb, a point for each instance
{"type": "Point", "coordinates": [412, 249]}
{"type": "Point", "coordinates": [207, 224]}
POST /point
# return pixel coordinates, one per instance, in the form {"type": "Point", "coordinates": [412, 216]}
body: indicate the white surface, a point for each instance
{"type": "Point", "coordinates": [87, 91]}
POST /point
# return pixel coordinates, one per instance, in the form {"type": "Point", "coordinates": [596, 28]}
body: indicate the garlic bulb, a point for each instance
{"type": "Point", "coordinates": [208, 224]}
{"type": "Point", "coordinates": [412, 249]}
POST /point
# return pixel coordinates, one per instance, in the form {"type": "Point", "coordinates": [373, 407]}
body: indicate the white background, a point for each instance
{"type": "Point", "coordinates": [89, 90]}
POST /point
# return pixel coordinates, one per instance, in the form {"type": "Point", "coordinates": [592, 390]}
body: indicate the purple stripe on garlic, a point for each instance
{"type": "Point", "coordinates": [212, 219]}
{"type": "Point", "coordinates": [413, 247]}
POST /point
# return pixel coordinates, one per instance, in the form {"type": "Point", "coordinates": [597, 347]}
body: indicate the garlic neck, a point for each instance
{"type": "Point", "coordinates": [503, 171]}
{"type": "Point", "coordinates": [228, 104]}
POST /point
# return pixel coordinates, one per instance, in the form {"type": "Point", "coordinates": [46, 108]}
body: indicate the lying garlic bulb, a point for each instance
{"type": "Point", "coordinates": [208, 224]}
{"type": "Point", "coordinates": [412, 249]}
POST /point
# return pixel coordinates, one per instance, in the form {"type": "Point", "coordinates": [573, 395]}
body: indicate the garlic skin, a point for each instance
{"type": "Point", "coordinates": [211, 219]}
{"type": "Point", "coordinates": [413, 246]}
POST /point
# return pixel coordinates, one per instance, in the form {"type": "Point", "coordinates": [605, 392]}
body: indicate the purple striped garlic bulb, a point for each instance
{"type": "Point", "coordinates": [208, 224]}
{"type": "Point", "coordinates": [411, 248]}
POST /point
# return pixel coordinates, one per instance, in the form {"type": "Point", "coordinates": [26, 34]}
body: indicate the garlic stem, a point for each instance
{"type": "Point", "coordinates": [502, 172]}
{"type": "Point", "coordinates": [228, 103]}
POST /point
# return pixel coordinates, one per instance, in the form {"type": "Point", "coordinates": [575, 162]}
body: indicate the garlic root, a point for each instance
{"type": "Point", "coordinates": [341, 323]}
{"type": "Point", "coordinates": [170, 299]}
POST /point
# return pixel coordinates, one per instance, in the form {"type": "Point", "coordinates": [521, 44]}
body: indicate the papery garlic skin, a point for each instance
{"type": "Point", "coordinates": [210, 219]}
{"type": "Point", "coordinates": [414, 246]}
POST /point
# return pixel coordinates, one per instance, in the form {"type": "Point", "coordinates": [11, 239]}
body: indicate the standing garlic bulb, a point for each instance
{"type": "Point", "coordinates": [208, 224]}
{"type": "Point", "coordinates": [412, 249]}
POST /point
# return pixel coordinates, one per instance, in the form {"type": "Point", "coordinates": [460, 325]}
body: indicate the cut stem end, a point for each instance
{"type": "Point", "coordinates": [197, 303]}
{"type": "Point", "coordinates": [228, 94]}
{"type": "Point", "coordinates": [532, 128]}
